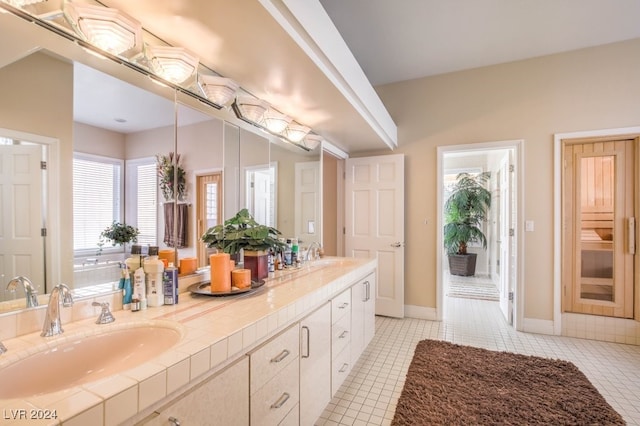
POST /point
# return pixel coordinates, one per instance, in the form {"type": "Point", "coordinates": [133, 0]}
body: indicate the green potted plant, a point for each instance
{"type": "Point", "coordinates": [242, 232]}
{"type": "Point", "coordinates": [172, 185]}
{"type": "Point", "coordinates": [465, 210]}
{"type": "Point", "coordinates": [118, 234]}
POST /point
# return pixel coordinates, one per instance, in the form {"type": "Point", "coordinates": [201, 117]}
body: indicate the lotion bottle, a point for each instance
{"type": "Point", "coordinates": [154, 268]}
{"type": "Point", "coordinates": [139, 290]}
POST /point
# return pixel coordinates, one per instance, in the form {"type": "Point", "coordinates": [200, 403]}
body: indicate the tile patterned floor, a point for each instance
{"type": "Point", "coordinates": [370, 393]}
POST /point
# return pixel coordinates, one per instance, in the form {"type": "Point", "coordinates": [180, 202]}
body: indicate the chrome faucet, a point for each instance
{"type": "Point", "coordinates": [315, 256]}
{"type": "Point", "coordinates": [52, 325]}
{"type": "Point", "coordinates": [30, 292]}
{"type": "Point", "coordinates": [105, 316]}
{"type": "Point", "coordinates": [3, 348]}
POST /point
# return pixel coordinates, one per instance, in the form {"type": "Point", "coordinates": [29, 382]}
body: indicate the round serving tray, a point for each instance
{"type": "Point", "coordinates": [204, 288]}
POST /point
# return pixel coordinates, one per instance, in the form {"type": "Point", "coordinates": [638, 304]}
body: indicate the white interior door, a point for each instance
{"type": "Point", "coordinates": [505, 238]}
{"type": "Point", "coordinates": [374, 223]}
{"type": "Point", "coordinates": [308, 208]}
{"type": "Point", "coordinates": [21, 221]}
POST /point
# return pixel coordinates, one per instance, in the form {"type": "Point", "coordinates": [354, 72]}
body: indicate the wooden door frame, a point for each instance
{"type": "Point", "coordinates": [631, 133]}
{"type": "Point", "coordinates": [518, 162]}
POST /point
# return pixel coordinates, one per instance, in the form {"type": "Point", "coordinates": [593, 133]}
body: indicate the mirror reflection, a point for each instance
{"type": "Point", "coordinates": [100, 159]}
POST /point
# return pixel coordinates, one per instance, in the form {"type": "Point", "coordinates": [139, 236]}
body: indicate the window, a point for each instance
{"type": "Point", "coordinates": [142, 199]}
{"type": "Point", "coordinates": [97, 199]}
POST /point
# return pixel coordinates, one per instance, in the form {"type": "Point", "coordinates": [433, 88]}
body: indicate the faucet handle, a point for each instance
{"type": "Point", "coordinates": [105, 316]}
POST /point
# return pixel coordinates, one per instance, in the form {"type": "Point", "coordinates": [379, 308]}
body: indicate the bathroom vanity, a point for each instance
{"type": "Point", "coordinates": [273, 356]}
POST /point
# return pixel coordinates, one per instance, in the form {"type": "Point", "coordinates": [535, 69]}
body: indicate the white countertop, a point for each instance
{"type": "Point", "coordinates": [215, 331]}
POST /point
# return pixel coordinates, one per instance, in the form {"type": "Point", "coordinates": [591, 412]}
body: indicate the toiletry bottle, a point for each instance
{"type": "Point", "coordinates": [154, 268]}
{"type": "Point", "coordinates": [278, 262]}
{"type": "Point", "coordinates": [287, 253]}
{"type": "Point", "coordinates": [294, 251]}
{"type": "Point", "coordinates": [134, 261]}
{"type": "Point", "coordinates": [139, 290]}
{"type": "Point", "coordinates": [271, 261]}
{"type": "Point", "coordinates": [170, 285]}
{"type": "Point", "coordinates": [126, 287]}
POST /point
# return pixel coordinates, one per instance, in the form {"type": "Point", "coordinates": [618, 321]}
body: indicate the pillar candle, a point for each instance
{"type": "Point", "coordinates": [188, 265]}
{"type": "Point", "coordinates": [241, 278]}
{"type": "Point", "coordinates": [220, 272]}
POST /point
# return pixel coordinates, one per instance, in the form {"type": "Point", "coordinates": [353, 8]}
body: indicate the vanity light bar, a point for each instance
{"type": "Point", "coordinates": [296, 132]}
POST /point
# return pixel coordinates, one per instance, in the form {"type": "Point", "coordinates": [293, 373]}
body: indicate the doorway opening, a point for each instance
{"type": "Point", "coordinates": [497, 273]}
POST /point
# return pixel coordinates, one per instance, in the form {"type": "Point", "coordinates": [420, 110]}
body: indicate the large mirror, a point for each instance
{"type": "Point", "coordinates": [51, 91]}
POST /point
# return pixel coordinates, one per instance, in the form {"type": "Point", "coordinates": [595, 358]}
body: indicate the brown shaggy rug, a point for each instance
{"type": "Point", "coordinates": [452, 384]}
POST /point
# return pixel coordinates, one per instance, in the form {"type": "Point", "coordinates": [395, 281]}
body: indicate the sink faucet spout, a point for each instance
{"type": "Point", "coordinates": [61, 294]}
{"type": "Point", "coordinates": [30, 292]}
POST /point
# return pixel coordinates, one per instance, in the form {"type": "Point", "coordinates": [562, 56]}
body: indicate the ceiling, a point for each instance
{"type": "Point", "coordinates": [290, 53]}
{"type": "Point", "coordinates": [407, 39]}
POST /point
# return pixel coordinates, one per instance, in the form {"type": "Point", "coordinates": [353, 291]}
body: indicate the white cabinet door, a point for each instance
{"type": "Point", "coordinates": [221, 400]}
{"type": "Point", "coordinates": [363, 322]}
{"type": "Point", "coordinates": [315, 364]}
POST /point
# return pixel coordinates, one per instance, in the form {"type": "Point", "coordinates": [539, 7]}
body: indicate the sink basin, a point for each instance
{"type": "Point", "coordinates": [83, 359]}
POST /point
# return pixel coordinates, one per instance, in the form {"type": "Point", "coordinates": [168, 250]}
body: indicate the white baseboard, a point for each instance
{"type": "Point", "coordinates": [420, 312]}
{"type": "Point", "coordinates": [538, 326]}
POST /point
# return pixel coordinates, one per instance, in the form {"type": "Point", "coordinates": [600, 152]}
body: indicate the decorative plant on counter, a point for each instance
{"type": "Point", "coordinates": [464, 211]}
{"type": "Point", "coordinates": [119, 234]}
{"type": "Point", "coordinates": [241, 232]}
{"type": "Point", "coordinates": [166, 175]}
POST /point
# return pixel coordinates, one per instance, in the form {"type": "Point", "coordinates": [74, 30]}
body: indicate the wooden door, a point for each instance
{"type": "Point", "coordinates": [208, 210]}
{"type": "Point", "coordinates": [374, 222]}
{"type": "Point", "coordinates": [599, 233]}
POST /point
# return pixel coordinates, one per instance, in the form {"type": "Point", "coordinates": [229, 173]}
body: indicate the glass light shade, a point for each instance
{"type": "Point", "coordinates": [20, 3]}
{"type": "Point", "coordinates": [252, 109]}
{"type": "Point", "coordinates": [296, 132]}
{"type": "Point", "coordinates": [275, 121]}
{"type": "Point", "coordinates": [108, 29]}
{"type": "Point", "coordinates": [219, 90]}
{"type": "Point", "coordinates": [174, 64]}
{"type": "Point", "coordinates": [311, 141]}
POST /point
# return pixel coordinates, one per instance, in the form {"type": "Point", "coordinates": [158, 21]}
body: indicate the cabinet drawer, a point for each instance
{"type": "Point", "coordinates": [292, 419]}
{"type": "Point", "coordinates": [271, 403]}
{"type": "Point", "coordinates": [340, 335]}
{"type": "Point", "coordinates": [340, 368]}
{"type": "Point", "coordinates": [271, 358]}
{"type": "Point", "coordinates": [341, 306]}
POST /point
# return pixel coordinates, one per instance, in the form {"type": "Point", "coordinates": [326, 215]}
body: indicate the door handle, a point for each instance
{"type": "Point", "coordinates": [397, 244]}
{"type": "Point", "coordinates": [631, 235]}
{"type": "Point", "coordinates": [308, 333]}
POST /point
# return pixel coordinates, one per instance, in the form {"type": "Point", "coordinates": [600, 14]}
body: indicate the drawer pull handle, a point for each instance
{"type": "Point", "coordinates": [280, 402]}
{"type": "Point", "coordinates": [366, 291]}
{"type": "Point", "coordinates": [282, 355]}
{"type": "Point", "coordinates": [343, 334]}
{"type": "Point", "coordinates": [344, 305]}
{"type": "Point", "coordinates": [344, 368]}
{"type": "Point", "coordinates": [174, 421]}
